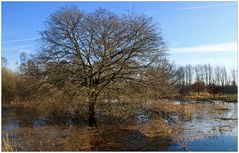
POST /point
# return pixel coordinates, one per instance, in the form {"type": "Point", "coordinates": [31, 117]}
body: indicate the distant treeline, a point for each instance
{"type": "Point", "coordinates": [202, 77]}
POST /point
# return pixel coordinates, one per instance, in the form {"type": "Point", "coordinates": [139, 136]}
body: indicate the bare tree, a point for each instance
{"type": "Point", "coordinates": [160, 80]}
{"type": "Point", "coordinates": [220, 75]}
{"type": "Point", "coordinates": [217, 75]}
{"type": "Point", "coordinates": [199, 73]}
{"type": "Point", "coordinates": [210, 73]}
{"type": "Point", "coordinates": [4, 62]}
{"type": "Point", "coordinates": [234, 77]}
{"type": "Point", "coordinates": [207, 73]}
{"type": "Point", "coordinates": [29, 65]}
{"type": "Point", "coordinates": [198, 87]}
{"type": "Point", "coordinates": [214, 89]}
{"type": "Point", "coordinates": [223, 76]}
{"type": "Point", "coordinates": [189, 74]}
{"type": "Point", "coordinates": [181, 75]}
{"type": "Point", "coordinates": [95, 50]}
{"type": "Point", "coordinates": [23, 61]}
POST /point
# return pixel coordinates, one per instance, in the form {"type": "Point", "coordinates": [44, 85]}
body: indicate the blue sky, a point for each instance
{"type": "Point", "coordinates": [195, 32]}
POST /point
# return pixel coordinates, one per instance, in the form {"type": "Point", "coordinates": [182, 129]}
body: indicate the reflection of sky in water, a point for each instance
{"type": "Point", "coordinates": [142, 117]}
{"type": "Point", "coordinates": [215, 143]}
{"type": "Point", "coordinates": [39, 122]}
{"type": "Point", "coordinates": [11, 126]}
{"type": "Point", "coordinates": [208, 132]}
{"type": "Point", "coordinates": [205, 132]}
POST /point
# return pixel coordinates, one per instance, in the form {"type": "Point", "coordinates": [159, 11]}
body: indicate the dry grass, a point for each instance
{"type": "Point", "coordinates": [7, 145]}
{"type": "Point", "coordinates": [228, 97]}
{"type": "Point", "coordinates": [220, 107]}
{"type": "Point", "coordinates": [157, 128]}
{"type": "Point", "coordinates": [204, 96]}
{"type": "Point", "coordinates": [54, 138]}
{"type": "Point", "coordinates": [167, 107]}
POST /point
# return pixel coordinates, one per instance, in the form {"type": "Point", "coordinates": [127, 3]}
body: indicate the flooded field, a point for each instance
{"type": "Point", "coordinates": [213, 127]}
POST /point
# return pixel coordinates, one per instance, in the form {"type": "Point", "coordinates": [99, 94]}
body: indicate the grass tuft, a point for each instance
{"type": "Point", "coordinates": [7, 146]}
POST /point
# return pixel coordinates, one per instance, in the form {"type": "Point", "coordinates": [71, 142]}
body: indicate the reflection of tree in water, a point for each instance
{"type": "Point", "coordinates": [132, 139]}
{"type": "Point", "coordinates": [116, 129]}
{"type": "Point", "coordinates": [77, 136]}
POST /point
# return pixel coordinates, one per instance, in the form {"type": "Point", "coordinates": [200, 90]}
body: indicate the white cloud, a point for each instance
{"type": "Point", "coordinates": [221, 47]}
{"type": "Point", "coordinates": [206, 6]}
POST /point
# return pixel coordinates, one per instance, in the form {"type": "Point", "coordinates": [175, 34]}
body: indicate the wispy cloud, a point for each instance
{"type": "Point", "coordinates": [206, 6]}
{"type": "Point", "coordinates": [19, 40]}
{"type": "Point", "coordinates": [18, 48]}
{"type": "Point", "coordinates": [221, 47]}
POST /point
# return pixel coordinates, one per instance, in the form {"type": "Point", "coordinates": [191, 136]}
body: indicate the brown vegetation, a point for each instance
{"type": "Point", "coordinates": [157, 128]}
{"type": "Point", "coordinates": [7, 145]}
{"type": "Point", "coordinates": [198, 87]}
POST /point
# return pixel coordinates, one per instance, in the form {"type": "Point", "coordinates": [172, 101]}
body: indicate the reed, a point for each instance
{"type": "Point", "coordinates": [7, 145]}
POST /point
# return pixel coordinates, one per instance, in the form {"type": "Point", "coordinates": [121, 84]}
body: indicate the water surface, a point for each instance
{"type": "Point", "coordinates": [206, 130]}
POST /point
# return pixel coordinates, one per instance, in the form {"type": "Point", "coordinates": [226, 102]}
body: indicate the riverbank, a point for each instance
{"type": "Point", "coordinates": [204, 96]}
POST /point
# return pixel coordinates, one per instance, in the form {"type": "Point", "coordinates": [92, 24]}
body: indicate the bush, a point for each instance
{"type": "Point", "coordinates": [214, 89]}
{"type": "Point", "coordinates": [198, 87]}
{"type": "Point", "coordinates": [9, 81]}
{"type": "Point", "coordinates": [16, 87]}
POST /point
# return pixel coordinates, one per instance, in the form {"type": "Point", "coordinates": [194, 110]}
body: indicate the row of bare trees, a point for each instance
{"type": "Point", "coordinates": [205, 75]}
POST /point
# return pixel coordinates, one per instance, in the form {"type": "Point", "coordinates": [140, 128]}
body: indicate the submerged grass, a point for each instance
{"type": "Point", "coordinates": [157, 128]}
{"type": "Point", "coordinates": [51, 138]}
{"type": "Point", "coordinates": [220, 107]}
{"type": "Point", "coordinates": [79, 138]}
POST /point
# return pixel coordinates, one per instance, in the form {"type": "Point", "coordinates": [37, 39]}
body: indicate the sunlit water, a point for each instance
{"type": "Point", "coordinates": [209, 131]}
{"type": "Point", "coordinates": [205, 131]}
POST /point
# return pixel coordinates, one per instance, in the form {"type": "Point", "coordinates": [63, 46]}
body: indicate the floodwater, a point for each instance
{"type": "Point", "coordinates": [206, 130]}
{"type": "Point", "coordinates": [209, 130]}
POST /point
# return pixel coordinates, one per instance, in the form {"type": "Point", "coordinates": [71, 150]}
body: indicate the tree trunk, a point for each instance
{"type": "Point", "coordinates": [92, 102]}
{"type": "Point", "coordinates": [198, 92]}
{"type": "Point", "coordinates": [92, 120]}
